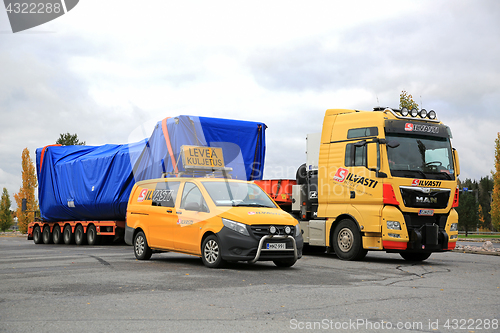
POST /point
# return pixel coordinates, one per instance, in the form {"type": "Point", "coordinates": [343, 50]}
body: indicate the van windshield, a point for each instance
{"type": "Point", "coordinates": [225, 193]}
{"type": "Point", "coordinates": [420, 157]}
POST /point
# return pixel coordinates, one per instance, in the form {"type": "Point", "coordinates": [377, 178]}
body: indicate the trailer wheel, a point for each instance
{"type": "Point", "coordinates": [347, 241]}
{"type": "Point", "coordinates": [414, 256]}
{"type": "Point", "coordinates": [285, 263]}
{"type": "Point", "coordinates": [37, 235]}
{"type": "Point", "coordinates": [47, 235]}
{"type": "Point", "coordinates": [142, 250]}
{"type": "Point", "coordinates": [56, 235]}
{"type": "Point", "coordinates": [211, 252]}
{"type": "Point", "coordinates": [79, 235]}
{"type": "Point", "coordinates": [92, 237]}
{"type": "Point", "coordinates": [68, 236]}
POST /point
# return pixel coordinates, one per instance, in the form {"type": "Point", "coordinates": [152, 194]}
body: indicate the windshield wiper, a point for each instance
{"type": "Point", "coordinates": [251, 204]}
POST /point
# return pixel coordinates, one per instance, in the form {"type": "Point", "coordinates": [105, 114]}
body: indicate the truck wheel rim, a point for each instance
{"type": "Point", "coordinates": [345, 239]}
{"type": "Point", "coordinates": [211, 251]}
{"type": "Point", "coordinates": [139, 245]}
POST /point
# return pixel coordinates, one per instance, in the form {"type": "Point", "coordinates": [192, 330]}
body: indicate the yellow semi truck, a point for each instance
{"type": "Point", "coordinates": [377, 180]}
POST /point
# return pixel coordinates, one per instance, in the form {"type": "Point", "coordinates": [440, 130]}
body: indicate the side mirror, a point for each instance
{"type": "Point", "coordinates": [372, 157]}
{"type": "Point", "coordinates": [457, 163]}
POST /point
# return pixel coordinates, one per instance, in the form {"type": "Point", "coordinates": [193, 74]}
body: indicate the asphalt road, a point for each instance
{"type": "Point", "coordinates": [59, 288]}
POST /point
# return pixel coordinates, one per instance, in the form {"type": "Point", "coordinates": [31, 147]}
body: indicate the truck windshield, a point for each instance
{"type": "Point", "coordinates": [420, 157]}
{"type": "Point", "coordinates": [235, 194]}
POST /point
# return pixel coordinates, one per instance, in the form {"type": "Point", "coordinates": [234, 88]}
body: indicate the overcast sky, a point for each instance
{"type": "Point", "coordinates": [106, 70]}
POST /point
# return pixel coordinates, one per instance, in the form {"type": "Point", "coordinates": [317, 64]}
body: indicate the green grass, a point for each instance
{"type": "Point", "coordinates": [479, 236]}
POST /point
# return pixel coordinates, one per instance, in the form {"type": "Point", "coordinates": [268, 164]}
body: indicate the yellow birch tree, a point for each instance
{"type": "Point", "coordinates": [495, 205]}
{"type": "Point", "coordinates": [27, 191]}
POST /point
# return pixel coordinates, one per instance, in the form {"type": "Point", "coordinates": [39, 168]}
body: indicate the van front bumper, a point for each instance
{"type": "Point", "coordinates": [238, 247]}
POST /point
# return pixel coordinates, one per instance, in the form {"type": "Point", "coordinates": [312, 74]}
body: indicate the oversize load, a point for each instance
{"type": "Point", "coordinates": [195, 156]}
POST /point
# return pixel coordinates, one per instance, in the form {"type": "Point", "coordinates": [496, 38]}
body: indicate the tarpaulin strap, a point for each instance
{"type": "Point", "coordinates": [43, 152]}
{"type": "Point", "coordinates": [255, 154]}
{"type": "Point", "coordinates": [169, 145]}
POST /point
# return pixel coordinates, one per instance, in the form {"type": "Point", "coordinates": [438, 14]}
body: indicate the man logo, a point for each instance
{"type": "Point", "coordinates": [28, 14]}
{"type": "Point", "coordinates": [340, 175]}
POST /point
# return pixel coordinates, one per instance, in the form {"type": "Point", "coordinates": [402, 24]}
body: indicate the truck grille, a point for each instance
{"type": "Point", "coordinates": [425, 197]}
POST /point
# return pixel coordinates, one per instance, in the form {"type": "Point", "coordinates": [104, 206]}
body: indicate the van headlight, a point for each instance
{"type": "Point", "coordinates": [454, 227]}
{"type": "Point", "coordinates": [394, 225]}
{"type": "Point", "coordinates": [297, 230]}
{"type": "Point", "coordinates": [236, 226]}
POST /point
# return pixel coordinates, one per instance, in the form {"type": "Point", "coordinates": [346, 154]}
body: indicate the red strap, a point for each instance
{"type": "Point", "coordinates": [43, 152]}
{"type": "Point", "coordinates": [169, 145]}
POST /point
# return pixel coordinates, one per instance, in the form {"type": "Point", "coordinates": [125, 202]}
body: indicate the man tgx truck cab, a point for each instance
{"type": "Point", "coordinates": [218, 219]}
{"type": "Point", "coordinates": [379, 180]}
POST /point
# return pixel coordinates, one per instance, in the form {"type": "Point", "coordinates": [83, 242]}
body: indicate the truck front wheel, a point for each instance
{"type": "Point", "coordinates": [347, 241]}
{"type": "Point", "coordinates": [37, 235]}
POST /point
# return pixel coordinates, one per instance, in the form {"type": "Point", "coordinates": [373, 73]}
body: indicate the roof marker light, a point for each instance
{"type": "Point", "coordinates": [404, 112]}
{"type": "Point", "coordinates": [432, 114]}
{"type": "Point", "coordinates": [413, 112]}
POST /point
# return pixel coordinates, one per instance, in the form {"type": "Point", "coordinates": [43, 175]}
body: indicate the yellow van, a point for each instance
{"type": "Point", "coordinates": [219, 220]}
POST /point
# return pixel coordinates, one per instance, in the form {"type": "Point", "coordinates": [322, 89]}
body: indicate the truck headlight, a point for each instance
{"type": "Point", "coordinates": [236, 226]}
{"type": "Point", "coordinates": [394, 225]}
{"type": "Point", "coordinates": [454, 227]}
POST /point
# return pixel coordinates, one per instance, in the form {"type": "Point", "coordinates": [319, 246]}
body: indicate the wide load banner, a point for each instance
{"type": "Point", "coordinates": [94, 182]}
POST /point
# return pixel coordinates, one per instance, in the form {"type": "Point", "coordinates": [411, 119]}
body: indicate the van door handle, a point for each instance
{"type": "Point", "coordinates": [353, 194]}
{"type": "Point", "coordinates": [169, 211]}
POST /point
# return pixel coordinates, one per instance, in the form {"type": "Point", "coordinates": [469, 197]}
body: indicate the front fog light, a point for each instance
{"type": "Point", "coordinates": [272, 230]}
{"type": "Point", "coordinates": [394, 225]}
{"type": "Point", "coordinates": [413, 112]}
{"type": "Point", "coordinates": [423, 113]}
{"type": "Point", "coordinates": [236, 226]}
{"type": "Point", "coordinates": [288, 230]}
{"type": "Point", "coordinates": [404, 112]}
{"type": "Point", "coordinates": [395, 235]}
{"type": "Point", "coordinates": [453, 236]}
{"type": "Point", "coordinates": [454, 227]}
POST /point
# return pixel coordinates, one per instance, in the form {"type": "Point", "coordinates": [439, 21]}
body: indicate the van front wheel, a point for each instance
{"type": "Point", "coordinates": [347, 241]}
{"type": "Point", "coordinates": [211, 252]}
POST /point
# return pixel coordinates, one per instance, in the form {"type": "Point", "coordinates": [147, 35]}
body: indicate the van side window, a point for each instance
{"type": "Point", "coordinates": [165, 193]}
{"type": "Point", "coordinates": [355, 156]}
{"type": "Point", "coordinates": [362, 132]}
{"type": "Point", "coordinates": [192, 199]}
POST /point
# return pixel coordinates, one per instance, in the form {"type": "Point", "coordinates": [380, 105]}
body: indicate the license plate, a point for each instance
{"type": "Point", "coordinates": [426, 212]}
{"type": "Point", "coordinates": [276, 246]}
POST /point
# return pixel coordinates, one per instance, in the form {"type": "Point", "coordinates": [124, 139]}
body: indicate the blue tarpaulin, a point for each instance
{"type": "Point", "coordinates": [94, 182]}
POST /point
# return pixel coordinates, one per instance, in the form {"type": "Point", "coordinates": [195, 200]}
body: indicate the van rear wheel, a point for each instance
{"type": "Point", "coordinates": [347, 241]}
{"type": "Point", "coordinates": [142, 250]}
